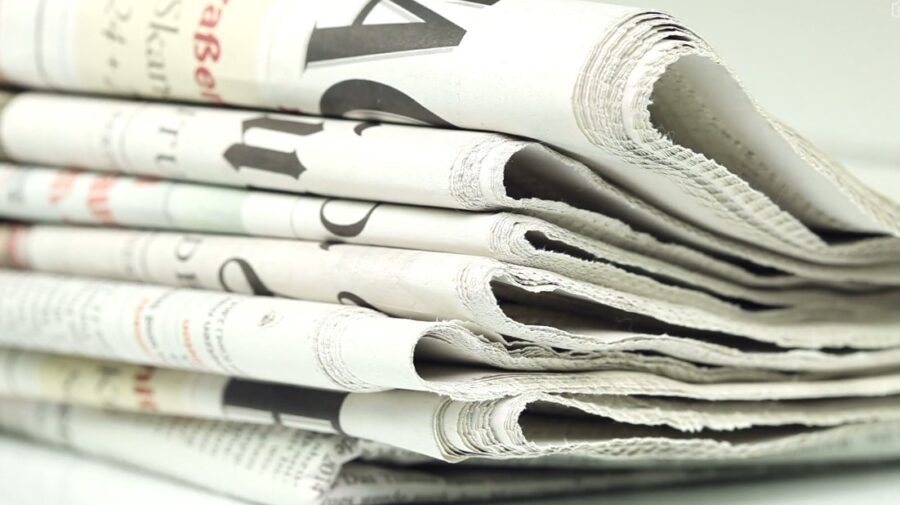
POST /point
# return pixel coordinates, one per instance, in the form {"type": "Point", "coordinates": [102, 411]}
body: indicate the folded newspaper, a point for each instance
{"type": "Point", "coordinates": [264, 463]}
{"type": "Point", "coordinates": [433, 251]}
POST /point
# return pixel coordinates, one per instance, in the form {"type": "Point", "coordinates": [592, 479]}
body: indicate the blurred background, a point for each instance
{"type": "Point", "coordinates": [828, 68]}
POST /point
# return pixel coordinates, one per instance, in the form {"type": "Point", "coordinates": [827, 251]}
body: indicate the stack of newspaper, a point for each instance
{"type": "Point", "coordinates": [552, 241]}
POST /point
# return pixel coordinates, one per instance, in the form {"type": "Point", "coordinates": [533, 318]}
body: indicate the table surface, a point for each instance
{"type": "Point", "coordinates": [874, 485]}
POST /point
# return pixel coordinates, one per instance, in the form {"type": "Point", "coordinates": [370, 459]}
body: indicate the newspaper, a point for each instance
{"type": "Point", "coordinates": [522, 426]}
{"type": "Point", "coordinates": [588, 251]}
{"type": "Point", "coordinates": [90, 198]}
{"type": "Point", "coordinates": [243, 460]}
{"type": "Point", "coordinates": [374, 161]}
{"type": "Point", "coordinates": [329, 346]}
{"type": "Point", "coordinates": [38, 475]}
{"type": "Point", "coordinates": [632, 93]}
{"type": "Point", "coordinates": [28, 193]}
{"type": "Point", "coordinates": [261, 464]}
{"type": "Point", "coordinates": [220, 332]}
{"type": "Point", "coordinates": [492, 298]}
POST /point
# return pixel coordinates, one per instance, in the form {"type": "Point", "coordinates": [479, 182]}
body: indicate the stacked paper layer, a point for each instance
{"type": "Point", "coordinates": [553, 242]}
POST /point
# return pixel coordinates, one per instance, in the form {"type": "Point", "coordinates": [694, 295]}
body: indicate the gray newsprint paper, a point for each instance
{"type": "Point", "coordinates": [379, 161]}
{"type": "Point", "coordinates": [524, 426]}
{"type": "Point", "coordinates": [330, 346]}
{"type": "Point", "coordinates": [438, 232]}
{"type": "Point", "coordinates": [48, 195]}
{"type": "Point", "coordinates": [269, 465]}
{"type": "Point", "coordinates": [35, 474]}
{"type": "Point", "coordinates": [492, 298]}
{"type": "Point", "coordinates": [632, 94]}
